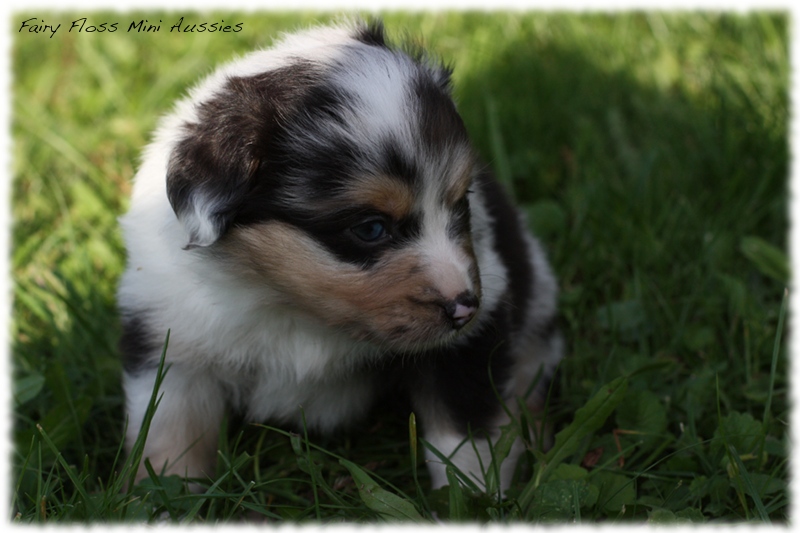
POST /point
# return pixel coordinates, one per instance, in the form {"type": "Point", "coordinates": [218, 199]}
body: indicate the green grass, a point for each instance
{"type": "Point", "coordinates": [650, 153]}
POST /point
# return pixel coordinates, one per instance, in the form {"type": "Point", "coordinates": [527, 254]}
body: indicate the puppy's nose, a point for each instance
{"type": "Point", "coordinates": [462, 309]}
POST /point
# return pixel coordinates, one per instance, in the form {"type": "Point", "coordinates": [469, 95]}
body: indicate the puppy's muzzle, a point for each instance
{"type": "Point", "coordinates": [461, 309]}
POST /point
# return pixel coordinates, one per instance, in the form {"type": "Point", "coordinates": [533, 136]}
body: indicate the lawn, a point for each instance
{"type": "Point", "coordinates": [650, 153]}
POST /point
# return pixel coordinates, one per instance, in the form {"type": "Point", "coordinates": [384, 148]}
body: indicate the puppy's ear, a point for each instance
{"type": "Point", "coordinates": [217, 161]}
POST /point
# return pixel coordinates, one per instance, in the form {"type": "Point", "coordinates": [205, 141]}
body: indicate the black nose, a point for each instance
{"type": "Point", "coordinates": [461, 310]}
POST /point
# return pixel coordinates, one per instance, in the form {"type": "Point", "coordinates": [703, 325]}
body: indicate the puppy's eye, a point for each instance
{"type": "Point", "coordinates": [371, 231]}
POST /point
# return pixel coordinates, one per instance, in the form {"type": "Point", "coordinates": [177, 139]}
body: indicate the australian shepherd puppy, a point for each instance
{"type": "Point", "coordinates": [313, 227]}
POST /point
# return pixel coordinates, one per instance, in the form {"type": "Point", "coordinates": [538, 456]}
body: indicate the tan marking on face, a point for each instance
{"type": "Point", "coordinates": [459, 180]}
{"type": "Point", "coordinates": [385, 194]}
{"type": "Point", "coordinates": [394, 302]}
{"type": "Point", "coordinates": [382, 193]}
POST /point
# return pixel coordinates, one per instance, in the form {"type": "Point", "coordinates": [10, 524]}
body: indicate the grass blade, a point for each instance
{"type": "Point", "coordinates": [413, 443]}
{"type": "Point", "coordinates": [458, 502]}
{"type": "Point", "coordinates": [447, 462]}
{"type": "Point", "coordinates": [769, 259]}
{"type": "Point", "coordinates": [587, 419]}
{"type": "Point", "coordinates": [741, 472]}
{"type": "Point", "coordinates": [137, 450]}
{"type": "Point", "coordinates": [500, 163]}
{"type": "Point", "coordinates": [75, 481]}
{"type": "Point", "coordinates": [500, 450]}
{"type": "Point", "coordinates": [386, 504]}
{"type": "Point", "coordinates": [776, 349]}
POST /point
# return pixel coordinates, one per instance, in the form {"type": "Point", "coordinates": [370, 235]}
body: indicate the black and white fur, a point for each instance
{"type": "Point", "coordinates": [312, 226]}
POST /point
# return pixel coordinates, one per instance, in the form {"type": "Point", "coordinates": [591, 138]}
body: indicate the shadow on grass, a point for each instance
{"type": "Point", "coordinates": [645, 195]}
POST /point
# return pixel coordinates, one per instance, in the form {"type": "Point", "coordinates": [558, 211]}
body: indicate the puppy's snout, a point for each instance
{"type": "Point", "coordinates": [461, 310]}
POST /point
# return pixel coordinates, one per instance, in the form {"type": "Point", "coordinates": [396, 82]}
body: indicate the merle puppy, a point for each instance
{"type": "Point", "coordinates": [313, 227]}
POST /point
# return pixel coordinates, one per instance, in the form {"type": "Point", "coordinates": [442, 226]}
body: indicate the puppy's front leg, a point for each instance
{"type": "Point", "coordinates": [469, 453]}
{"type": "Point", "coordinates": [183, 433]}
{"type": "Point", "coordinates": [461, 416]}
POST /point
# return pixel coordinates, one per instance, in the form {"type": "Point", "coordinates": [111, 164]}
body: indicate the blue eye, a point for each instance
{"type": "Point", "coordinates": [370, 231]}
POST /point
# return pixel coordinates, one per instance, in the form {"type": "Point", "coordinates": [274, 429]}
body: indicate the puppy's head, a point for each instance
{"type": "Point", "coordinates": [336, 171]}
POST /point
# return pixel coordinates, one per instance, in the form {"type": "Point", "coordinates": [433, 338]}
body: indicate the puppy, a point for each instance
{"type": "Point", "coordinates": [312, 226]}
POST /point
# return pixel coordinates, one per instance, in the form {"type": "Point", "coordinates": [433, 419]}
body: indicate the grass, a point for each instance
{"type": "Point", "coordinates": [650, 153]}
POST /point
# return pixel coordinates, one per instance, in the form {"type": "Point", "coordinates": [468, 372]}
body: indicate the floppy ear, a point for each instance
{"type": "Point", "coordinates": [216, 163]}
